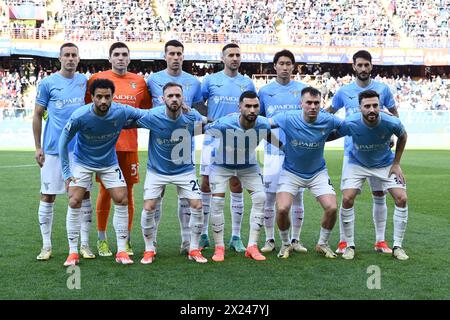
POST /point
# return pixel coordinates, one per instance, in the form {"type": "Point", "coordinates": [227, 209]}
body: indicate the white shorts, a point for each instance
{"type": "Point", "coordinates": [319, 185]}
{"type": "Point", "coordinates": [111, 177]}
{"type": "Point", "coordinates": [52, 181]}
{"type": "Point", "coordinates": [250, 178]}
{"type": "Point", "coordinates": [374, 183]}
{"type": "Point", "coordinates": [186, 183]}
{"type": "Point", "coordinates": [205, 161]}
{"type": "Point", "coordinates": [273, 164]}
{"type": "Point", "coordinates": [354, 176]}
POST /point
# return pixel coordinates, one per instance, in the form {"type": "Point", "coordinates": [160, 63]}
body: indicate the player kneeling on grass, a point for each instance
{"type": "Point", "coordinates": [170, 162]}
{"type": "Point", "coordinates": [98, 125]}
{"type": "Point", "coordinates": [236, 137]}
{"type": "Point", "coordinates": [371, 157]}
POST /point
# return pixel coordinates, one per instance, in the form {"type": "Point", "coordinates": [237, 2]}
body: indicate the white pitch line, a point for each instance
{"type": "Point", "coordinates": [18, 166]}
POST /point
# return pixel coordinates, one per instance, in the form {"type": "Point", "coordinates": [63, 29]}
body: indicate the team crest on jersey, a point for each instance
{"type": "Point", "coordinates": [59, 104]}
{"type": "Point", "coordinates": [187, 86]}
{"type": "Point", "coordinates": [114, 123]}
{"type": "Point", "coordinates": [323, 132]}
{"type": "Point", "coordinates": [133, 85]}
{"type": "Point", "coordinates": [295, 93]}
{"type": "Point", "coordinates": [159, 141]}
{"type": "Point", "coordinates": [243, 87]}
{"type": "Point", "coordinates": [216, 99]}
{"type": "Point", "coordinates": [294, 142]}
{"type": "Point", "coordinates": [270, 110]}
{"type": "Point", "coordinates": [81, 85]}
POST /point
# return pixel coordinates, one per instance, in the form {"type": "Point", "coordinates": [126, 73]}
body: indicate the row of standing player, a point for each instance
{"type": "Point", "coordinates": [219, 104]}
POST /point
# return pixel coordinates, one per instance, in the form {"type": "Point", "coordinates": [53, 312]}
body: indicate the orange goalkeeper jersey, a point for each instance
{"type": "Point", "coordinates": [131, 89]}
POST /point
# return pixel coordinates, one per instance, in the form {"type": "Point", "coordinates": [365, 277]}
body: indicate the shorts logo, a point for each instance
{"type": "Point", "coordinates": [267, 184]}
{"type": "Point", "coordinates": [213, 185]}
{"type": "Point", "coordinates": [46, 185]}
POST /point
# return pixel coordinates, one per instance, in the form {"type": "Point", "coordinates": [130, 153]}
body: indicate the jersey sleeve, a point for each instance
{"type": "Point", "coordinates": [280, 120]}
{"type": "Point", "coordinates": [262, 105]}
{"type": "Point", "coordinates": [69, 131]}
{"type": "Point", "coordinates": [344, 129]}
{"type": "Point", "coordinates": [337, 102]}
{"type": "Point", "coordinates": [43, 94]}
{"type": "Point", "coordinates": [399, 129]}
{"type": "Point", "coordinates": [389, 101]}
{"type": "Point", "coordinates": [146, 120]}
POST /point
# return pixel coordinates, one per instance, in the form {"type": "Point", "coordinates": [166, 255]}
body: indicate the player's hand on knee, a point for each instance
{"type": "Point", "coordinates": [397, 171]}
{"type": "Point", "coordinates": [40, 157]}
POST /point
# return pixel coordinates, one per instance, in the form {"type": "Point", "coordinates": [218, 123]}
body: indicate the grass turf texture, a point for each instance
{"type": "Point", "coordinates": [172, 276]}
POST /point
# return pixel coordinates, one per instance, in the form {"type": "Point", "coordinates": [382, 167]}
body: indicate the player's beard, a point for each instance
{"type": "Point", "coordinates": [251, 117]}
{"type": "Point", "coordinates": [372, 117]}
{"type": "Point", "coordinates": [362, 77]}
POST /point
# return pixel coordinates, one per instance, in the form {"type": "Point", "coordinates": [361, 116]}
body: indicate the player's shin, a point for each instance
{"type": "Point", "coordinates": [256, 217]}
{"type": "Point", "coordinates": [237, 210]}
{"type": "Point", "coordinates": [297, 213]}
{"type": "Point", "coordinates": [379, 213]}
{"type": "Point", "coordinates": [148, 226]}
{"type": "Point", "coordinates": [347, 216]}
{"type": "Point", "coordinates": [45, 222]}
{"type": "Point", "coordinates": [120, 222]}
{"type": "Point", "coordinates": [195, 226]}
{"type": "Point", "coordinates": [184, 215]}
{"type": "Point", "coordinates": [217, 220]}
{"type": "Point", "coordinates": [86, 221]}
{"type": "Point", "coordinates": [206, 203]}
{"type": "Point", "coordinates": [400, 222]}
{"type": "Point", "coordinates": [73, 225]}
{"type": "Point", "coordinates": [269, 215]}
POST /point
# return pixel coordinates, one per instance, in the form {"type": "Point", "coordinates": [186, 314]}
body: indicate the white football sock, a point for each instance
{"type": "Point", "coordinates": [86, 221]}
{"type": "Point", "coordinates": [73, 225]}
{"type": "Point", "coordinates": [297, 214]}
{"type": "Point", "coordinates": [347, 216]}
{"type": "Point", "coordinates": [269, 215]}
{"type": "Point", "coordinates": [120, 222]}
{"type": "Point", "coordinates": [400, 222]}
{"type": "Point", "coordinates": [158, 214]}
{"type": "Point", "coordinates": [217, 220]}
{"type": "Point", "coordinates": [256, 217]}
{"type": "Point", "coordinates": [196, 226]}
{"type": "Point", "coordinates": [206, 203]}
{"type": "Point", "coordinates": [45, 215]}
{"type": "Point", "coordinates": [237, 211]}
{"type": "Point", "coordinates": [184, 215]}
{"type": "Point", "coordinates": [148, 227]}
{"type": "Point", "coordinates": [379, 213]}
{"type": "Point", "coordinates": [324, 236]}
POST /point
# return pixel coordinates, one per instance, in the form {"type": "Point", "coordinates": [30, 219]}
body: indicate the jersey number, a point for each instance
{"type": "Point", "coordinates": [195, 185]}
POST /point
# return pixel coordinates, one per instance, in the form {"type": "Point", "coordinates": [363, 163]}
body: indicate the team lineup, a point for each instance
{"type": "Point", "coordinates": [91, 128]}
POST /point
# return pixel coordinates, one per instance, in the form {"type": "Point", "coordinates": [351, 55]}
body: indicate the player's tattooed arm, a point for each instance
{"type": "Point", "coordinates": [399, 148]}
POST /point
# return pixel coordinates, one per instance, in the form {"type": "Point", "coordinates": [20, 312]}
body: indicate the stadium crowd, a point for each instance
{"type": "Point", "coordinates": [336, 22]}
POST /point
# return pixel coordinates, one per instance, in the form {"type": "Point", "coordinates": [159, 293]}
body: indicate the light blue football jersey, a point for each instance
{"type": "Point", "coordinates": [305, 141]}
{"type": "Point", "coordinates": [170, 141]}
{"type": "Point", "coordinates": [192, 91]}
{"type": "Point", "coordinates": [61, 97]}
{"type": "Point", "coordinates": [223, 92]}
{"type": "Point", "coordinates": [347, 97]}
{"type": "Point", "coordinates": [277, 98]}
{"type": "Point", "coordinates": [234, 146]}
{"type": "Point", "coordinates": [370, 146]}
{"type": "Point", "coordinates": [95, 145]}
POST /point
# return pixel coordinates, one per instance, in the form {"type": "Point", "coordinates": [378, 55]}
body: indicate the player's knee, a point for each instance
{"type": "Point", "coordinates": [348, 201]}
{"type": "Point", "coordinates": [401, 200]}
{"type": "Point", "coordinates": [150, 205]}
{"type": "Point", "coordinates": [74, 202]}
{"type": "Point", "coordinates": [123, 201]}
{"type": "Point", "coordinates": [258, 198]}
{"type": "Point", "coordinates": [48, 198]}
{"type": "Point", "coordinates": [235, 185]}
{"type": "Point", "coordinates": [378, 193]}
{"type": "Point", "coordinates": [331, 210]}
{"type": "Point", "coordinates": [196, 205]}
{"type": "Point", "coordinates": [283, 209]}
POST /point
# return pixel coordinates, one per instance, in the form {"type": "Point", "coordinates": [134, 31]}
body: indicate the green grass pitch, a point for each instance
{"type": "Point", "coordinates": [303, 276]}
